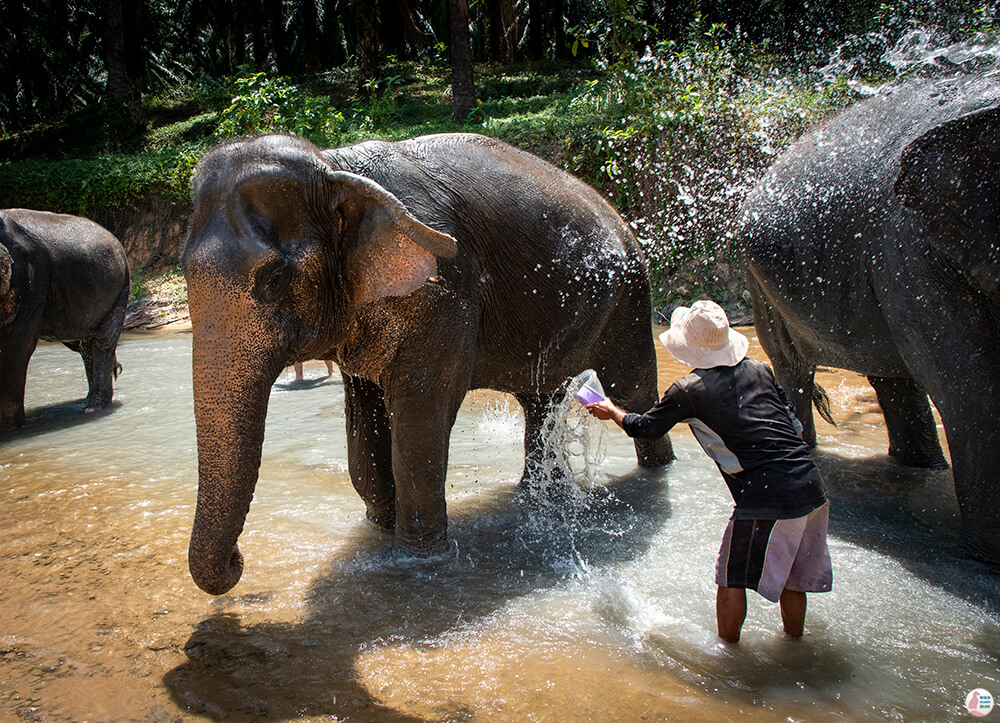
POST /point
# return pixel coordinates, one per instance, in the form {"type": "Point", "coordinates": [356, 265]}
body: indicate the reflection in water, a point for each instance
{"type": "Point", "coordinates": [588, 602]}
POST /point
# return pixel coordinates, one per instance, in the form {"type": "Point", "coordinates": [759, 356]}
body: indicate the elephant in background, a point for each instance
{"type": "Point", "coordinates": [873, 244]}
{"type": "Point", "coordinates": [424, 269]}
{"type": "Point", "coordinates": [62, 278]}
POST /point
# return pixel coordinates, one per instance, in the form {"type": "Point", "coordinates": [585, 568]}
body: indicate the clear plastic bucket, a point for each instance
{"type": "Point", "coordinates": [590, 390]}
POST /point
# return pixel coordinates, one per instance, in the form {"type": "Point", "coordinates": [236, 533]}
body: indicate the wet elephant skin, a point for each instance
{"type": "Point", "coordinates": [872, 245]}
{"type": "Point", "coordinates": [424, 268]}
{"type": "Point", "coordinates": [62, 278]}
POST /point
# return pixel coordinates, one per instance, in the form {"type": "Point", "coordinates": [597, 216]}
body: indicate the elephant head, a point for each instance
{"type": "Point", "coordinates": [951, 176]}
{"type": "Point", "coordinates": [282, 251]}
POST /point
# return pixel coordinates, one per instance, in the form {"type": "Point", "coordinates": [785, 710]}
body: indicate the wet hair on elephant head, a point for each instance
{"type": "Point", "coordinates": [424, 269]}
{"type": "Point", "coordinates": [62, 278]}
{"type": "Point", "coordinates": [873, 245]}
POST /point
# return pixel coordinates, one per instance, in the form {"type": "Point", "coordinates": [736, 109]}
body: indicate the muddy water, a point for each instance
{"type": "Point", "coordinates": [593, 604]}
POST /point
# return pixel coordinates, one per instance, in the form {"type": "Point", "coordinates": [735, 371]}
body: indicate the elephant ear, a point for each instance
{"type": "Point", "coordinates": [951, 177]}
{"type": "Point", "coordinates": [6, 262]}
{"type": "Point", "coordinates": [387, 251]}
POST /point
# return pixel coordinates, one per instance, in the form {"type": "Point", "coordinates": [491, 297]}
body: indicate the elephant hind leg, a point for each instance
{"type": "Point", "coordinates": [103, 367]}
{"type": "Point", "coordinates": [913, 435]}
{"type": "Point", "coordinates": [794, 373]}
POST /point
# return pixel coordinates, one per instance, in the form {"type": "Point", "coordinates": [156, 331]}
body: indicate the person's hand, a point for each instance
{"type": "Point", "coordinates": [606, 409]}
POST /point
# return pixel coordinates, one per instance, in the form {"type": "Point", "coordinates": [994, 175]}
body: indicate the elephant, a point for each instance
{"type": "Point", "coordinates": [62, 278]}
{"type": "Point", "coordinates": [872, 244]}
{"type": "Point", "coordinates": [423, 268]}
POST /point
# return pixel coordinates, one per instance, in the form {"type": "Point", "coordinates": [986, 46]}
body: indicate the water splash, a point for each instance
{"type": "Point", "coordinates": [568, 489]}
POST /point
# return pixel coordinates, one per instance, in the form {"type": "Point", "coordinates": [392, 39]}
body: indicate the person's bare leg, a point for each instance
{"type": "Point", "coordinates": [731, 612]}
{"type": "Point", "coordinates": [298, 372]}
{"type": "Point", "coordinates": [793, 612]}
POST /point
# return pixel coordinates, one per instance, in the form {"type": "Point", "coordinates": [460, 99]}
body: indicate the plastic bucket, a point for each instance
{"type": "Point", "coordinates": [588, 395]}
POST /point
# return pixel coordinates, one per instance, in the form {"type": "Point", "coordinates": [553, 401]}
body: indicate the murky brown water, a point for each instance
{"type": "Point", "coordinates": [600, 607]}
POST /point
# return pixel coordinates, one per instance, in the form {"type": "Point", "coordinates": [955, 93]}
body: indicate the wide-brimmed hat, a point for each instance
{"type": "Point", "coordinates": [700, 337]}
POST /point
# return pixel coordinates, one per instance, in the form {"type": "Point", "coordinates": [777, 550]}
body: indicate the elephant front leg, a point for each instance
{"type": "Point", "coordinates": [13, 375]}
{"type": "Point", "coordinates": [420, 437]}
{"type": "Point", "coordinates": [539, 457]}
{"type": "Point", "coordinates": [369, 450]}
{"type": "Point", "coordinates": [974, 460]}
{"type": "Point", "coordinates": [913, 435]}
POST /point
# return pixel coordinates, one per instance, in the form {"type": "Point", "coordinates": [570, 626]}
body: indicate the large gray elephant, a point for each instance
{"type": "Point", "coordinates": [873, 244]}
{"type": "Point", "coordinates": [425, 269]}
{"type": "Point", "coordinates": [62, 278]}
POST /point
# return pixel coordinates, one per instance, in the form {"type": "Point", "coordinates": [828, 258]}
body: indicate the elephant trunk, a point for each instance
{"type": "Point", "coordinates": [231, 391]}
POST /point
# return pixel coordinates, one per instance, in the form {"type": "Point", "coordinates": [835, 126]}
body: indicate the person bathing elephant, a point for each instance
{"type": "Point", "coordinates": [873, 244]}
{"type": "Point", "coordinates": [424, 269]}
{"type": "Point", "coordinates": [62, 278]}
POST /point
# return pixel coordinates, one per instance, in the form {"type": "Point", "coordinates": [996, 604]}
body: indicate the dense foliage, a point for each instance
{"type": "Point", "coordinates": [672, 109]}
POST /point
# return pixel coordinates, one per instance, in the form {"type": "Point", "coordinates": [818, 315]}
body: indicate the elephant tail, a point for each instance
{"type": "Point", "coordinates": [821, 400]}
{"type": "Point", "coordinates": [117, 368]}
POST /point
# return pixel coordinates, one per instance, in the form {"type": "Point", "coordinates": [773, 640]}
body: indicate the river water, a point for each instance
{"type": "Point", "coordinates": [596, 604]}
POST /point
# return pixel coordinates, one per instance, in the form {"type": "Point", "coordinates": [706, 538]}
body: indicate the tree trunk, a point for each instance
{"type": "Point", "coordinates": [124, 57]}
{"type": "Point", "coordinates": [559, 28]}
{"type": "Point", "coordinates": [369, 48]}
{"type": "Point", "coordinates": [536, 30]}
{"type": "Point", "coordinates": [334, 53]}
{"type": "Point", "coordinates": [274, 9]}
{"type": "Point", "coordinates": [463, 99]}
{"type": "Point", "coordinates": [310, 36]}
{"type": "Point", "coordinates": [11, 17]}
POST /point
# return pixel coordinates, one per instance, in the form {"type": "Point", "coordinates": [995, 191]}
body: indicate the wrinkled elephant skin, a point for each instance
{"type": "Point", "coordinates": [872, 244]}
{"type": "Point", "coordinates": [62, 278]}
{"type": "Point", "coordinates": [425, 269]}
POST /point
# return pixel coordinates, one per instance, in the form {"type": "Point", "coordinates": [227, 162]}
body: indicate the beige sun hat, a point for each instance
{"type": "Point", "coordinates": [700, 337]}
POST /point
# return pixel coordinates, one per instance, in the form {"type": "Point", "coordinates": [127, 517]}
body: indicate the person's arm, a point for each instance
{"type": "Point", "coordinates": [655, 422]}
{"type": "Point", "coordinates": [606, 409]}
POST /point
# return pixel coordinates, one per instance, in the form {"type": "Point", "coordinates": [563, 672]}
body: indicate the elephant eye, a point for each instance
{"type": "Point", "coordinates": [274, 283]}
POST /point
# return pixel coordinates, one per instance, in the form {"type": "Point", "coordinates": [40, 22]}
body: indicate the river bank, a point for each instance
{"type": "Point", "coordinates": [162, 303]}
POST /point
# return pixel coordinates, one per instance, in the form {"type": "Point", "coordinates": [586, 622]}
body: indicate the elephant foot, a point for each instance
{"type": "Point", "coordinates": [654, 453]}
{"type": "Point", "coordinates": [986, 553]}
{"type": "Point", "coordinates": [12, 423]}
{"type": "Point", "coordinates": [920, 460]}
{"type": "Point", "coordinates": [385, 523]}
{"type": "Point", "coordinates": [537, 475]}
{"type": "Point", "coordinates": [96, 405]}
{"type": "Point", "coordinates": [419, 550]}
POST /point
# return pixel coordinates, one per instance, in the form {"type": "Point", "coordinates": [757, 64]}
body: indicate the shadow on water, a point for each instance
{"type": "Point", "coordinates": [909, 515]}
{"type": "Point", "coordinates": [504, 547]}
{"type": "Point", "coordinates": [305, 383]}
{"type": "Point", "coordinates": [54, 418]}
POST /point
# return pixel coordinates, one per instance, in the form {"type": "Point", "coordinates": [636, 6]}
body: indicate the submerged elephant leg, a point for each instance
{"type": "Point", "coordinates": [13, 375]}
{"type": "Point", "coordinates": [421, 431]}
{"type": "Point", "coordinates": [369, 450]}
{"type": "Point", "coordinates": [105, 365]}
{"type": "Point", "coordinates": [104, 361]}
{"type": "Point", "coordinates": [625, 362]}
{"type": "Point", "coordinates": [539, 458]}
{"type": "Point", "coordinates": [913, 435]}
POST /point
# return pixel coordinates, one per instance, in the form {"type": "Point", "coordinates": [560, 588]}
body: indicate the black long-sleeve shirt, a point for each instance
{"type": "Point", "coordinates": [743, 421]}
